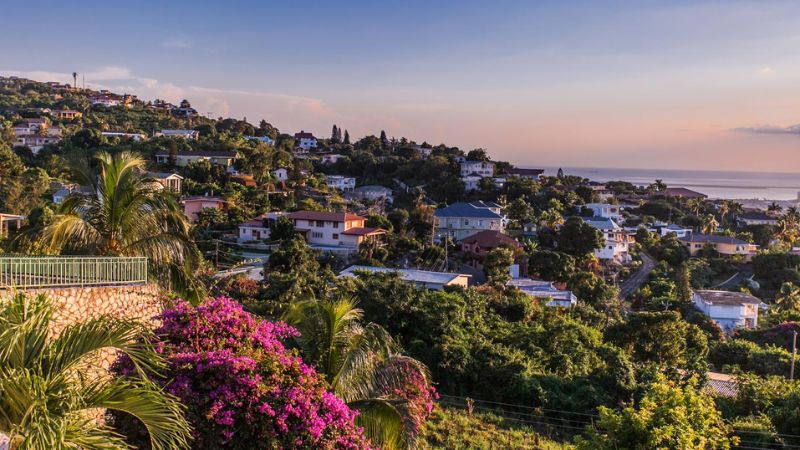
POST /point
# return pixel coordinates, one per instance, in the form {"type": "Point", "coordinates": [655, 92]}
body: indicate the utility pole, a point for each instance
{"type": "Point", "coordinates": [216, 253]}
{"type": "Point", "coordinates": [794, 353]}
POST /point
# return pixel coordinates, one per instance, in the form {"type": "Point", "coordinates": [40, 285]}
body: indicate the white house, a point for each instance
{"type": "Point", "coordinates": [605, 210]}
{"type": "Point", "coordinates": [281, 173]}
{"type": "Point", "coordinates": [477, 168]}
{"type": "Point", "coordinates": [424, 152]}
{"type": "Point", "coordinates": [617, 241]}
{"type": "Point", "coordinates": [133, 136]}
{"type": "Point", "coordinates": [305, 141]}
{"type": "Point", "coordinates": [460, 220]}
{"type": "Point", "coordinates": [169, 181]}
{"type": "Point", "coordinates": [329, 158]}
{"type": "Point", "coordinates": [373, 192]}
{"type": "Point", "coordinates": [342, 183]}
{"type": "Point", "coordinates": [183, 158]}
{"type": "Point", "coordinates": [35, 142]}
{"type": "Point", "coordinates": [677, 230]}
{"type": "Point", "coordinates": [728, 309]}
{"type": "Point", "coordinates": [186, 134]}
{"type": "Point", "coordinates": [544, 290]}
{"type": "Point", "coordinates": [325, 229]}
{"type": "Point", "coordinates": [258, 229]}
{"type": "Point", "coordinates": [420, 278]}
{"type": "Point", "coordinates": [756, 218]}
{"type": "Point", "coordinates": [265, 139]}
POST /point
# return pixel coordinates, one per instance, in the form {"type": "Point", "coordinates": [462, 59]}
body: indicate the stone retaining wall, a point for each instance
{"type": "Point", "coordinates": [76, 304]}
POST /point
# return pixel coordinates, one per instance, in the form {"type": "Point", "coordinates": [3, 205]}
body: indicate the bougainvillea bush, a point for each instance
{"type": "Point", "coordinates": [242, 388]}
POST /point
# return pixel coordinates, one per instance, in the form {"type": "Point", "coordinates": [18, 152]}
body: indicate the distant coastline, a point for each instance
{"type": "Point", "coordinates": [715, 184]}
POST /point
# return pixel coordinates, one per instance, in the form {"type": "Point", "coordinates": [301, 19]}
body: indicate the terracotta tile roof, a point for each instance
{"type": "Point", "coordinates": [364, 231]}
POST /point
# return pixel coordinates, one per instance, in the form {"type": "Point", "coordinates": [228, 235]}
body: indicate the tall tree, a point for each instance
{"type": "Point", "coordinates": [496, 267]}
{"type": "Point", "coordinates": [335, 134]}
{"type": "Point", "coordinates": [127, 214]}
{"type": "Point", "coordinates": [48, 397]}
{"type": "Point", "coordinates": [384, 141]}
{"type": "Point", "coordinates": [346, 137]}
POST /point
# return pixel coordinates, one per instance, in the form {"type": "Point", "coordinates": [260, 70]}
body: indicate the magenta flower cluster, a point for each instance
{"type": "Point", "coordinates": [242, 388]}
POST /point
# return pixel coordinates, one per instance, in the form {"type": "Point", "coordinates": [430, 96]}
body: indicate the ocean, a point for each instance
{"type": "Point", "coordinates": [715, 184]}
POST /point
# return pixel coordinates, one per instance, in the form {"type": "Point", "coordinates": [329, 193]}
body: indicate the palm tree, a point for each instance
{"type": "Point", "coordinates": [710, 224]}
{"type": "Point", "coordinates": [774, 207]}
{"type": "Point", "coordinates": [362, 365]}
{"type": "Point", "coordinates": [695, 205]}
{"type": "Point", "coordinates": [788, 298]}
{"type": "Point", "coordinates": [48, 396]}
{"type": "Point", "coordinates": [723, 209]}
{"type": "Point", "coordinates": [126, 215]}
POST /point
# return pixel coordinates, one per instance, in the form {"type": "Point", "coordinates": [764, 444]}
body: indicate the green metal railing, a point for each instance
{"type": "Point", "coordinates": [63, 271]}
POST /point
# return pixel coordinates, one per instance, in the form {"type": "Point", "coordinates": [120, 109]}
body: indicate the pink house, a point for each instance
{"type": "Point", "coordinates": [193, 205]}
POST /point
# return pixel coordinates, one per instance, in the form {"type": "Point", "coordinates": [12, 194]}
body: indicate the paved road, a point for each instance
{"type": "Point", "coordinates": [745, 272]}
{"type": "Point", "coordinates": [637, 279]}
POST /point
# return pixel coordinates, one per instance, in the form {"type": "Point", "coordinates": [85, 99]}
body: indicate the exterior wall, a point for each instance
{"type": "Point", "coordinates": [329, 233]}
{"type": "Point", "coordinates": [484, 169]}
{"type": "Point", "coordinates": [281, 174]}
{"type": "Point", "coordinates": [306, 143]}
{"type": "Point", "coordinates": [191, 208]}
{"type": "Point", "coordinates": [729, 317]}
{"type": "Point", "coordinates": [607, 211]}
{"type": "Point", "coordinates": [461, 227]}
{"type": "Point", "coordinates": [249, 233]}
{"type": "Point", "coordinates": [72, 305]}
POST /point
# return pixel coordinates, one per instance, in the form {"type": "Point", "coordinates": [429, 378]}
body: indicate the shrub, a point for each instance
{"type": "Point", "coordinates": [241, 385]}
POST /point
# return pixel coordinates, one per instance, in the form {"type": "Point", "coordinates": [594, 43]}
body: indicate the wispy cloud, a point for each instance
{"type": "Point", "coordinates": [766, 71]}
{"type": "Point", "coordinates": [770, 129]}
{"type": "Point", "coordinates": [176, 43]}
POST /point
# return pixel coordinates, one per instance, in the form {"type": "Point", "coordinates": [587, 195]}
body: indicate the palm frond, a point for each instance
{"type": "Point", "coordinates": [382, 423]}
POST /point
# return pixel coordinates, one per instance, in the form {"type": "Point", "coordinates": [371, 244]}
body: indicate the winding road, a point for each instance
{"type": "Point", "coordinates": [637, 279]}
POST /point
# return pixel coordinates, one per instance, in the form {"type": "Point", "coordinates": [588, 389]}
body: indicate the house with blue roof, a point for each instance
{"type": "Point", "coordinates": [617, 242]}
{"type": "Point", "coordinates": [462, 219]}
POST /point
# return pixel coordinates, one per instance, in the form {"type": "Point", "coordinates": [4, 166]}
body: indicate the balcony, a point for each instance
{"type": "Point", "coordinates": [33, 272]}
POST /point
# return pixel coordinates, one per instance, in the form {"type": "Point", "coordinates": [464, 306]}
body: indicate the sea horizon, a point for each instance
{"type": "Point", "coordinates": [722, 184]}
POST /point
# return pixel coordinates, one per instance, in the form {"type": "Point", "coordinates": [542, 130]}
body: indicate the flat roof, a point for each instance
{"type": "Point", "coordinates": [417, 276]}
{"type": "Point", "coordinates": [726, 297]}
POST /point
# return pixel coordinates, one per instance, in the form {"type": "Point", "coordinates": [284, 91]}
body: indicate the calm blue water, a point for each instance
{"type": "Point", "coordinates": [715, 184]}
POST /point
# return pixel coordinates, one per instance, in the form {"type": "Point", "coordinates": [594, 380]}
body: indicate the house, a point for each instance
{"type": "Point", "coordinates": [32, 126]}
{"type": "Point", "coordinates": [183, 158]}
{"type": "Point", "coordinates": [342, 183]}
{"type": "Point", "coordinates": [265, 139]}
{"type": "Point", "coordinates": [477, 168]}
{"type": "Point", "coordinates": [60, 195]}
{"type": "Point", "coordinates": [682, 193]}
{"type": "Point", "coordinates": [532, 174]}
{"type": "Point", "coordinates": [9, 224]}
{"type": "Point", "coordinates": [600, 190]}
{"type": "Point", "coordinates": [373, 192]}
{"type": "Point", "coordinates": [35, 142]}
{"type": "Point", "coordinates": [424, 152]}
{"type": "Point", "coordinates": [334, 229]}
{"type": "Point", "coordinates": [420, 278]}
{"type": "Point", "coordinates": [728, 309]}
{"type": "Point", "coordinates": [329, 158]}
{"type": "Point", "coordinates": [244, 179]}
{"type": "Point", "coordinates": [478, 245]}
{"type": "Point", "coordinates": [186, 134]}
{"type": "Point", "coordinates": [724, 245]}
{"type": "Point", "coordinates": [118, 134]}
{"type": "Point", "coordinates": [305, 141]}
{"type": "Point", "coordinates": [281, 174]}
{"type": "Point", "coordinates": [677, 230]}
{"type": "Point", "coordinates": [544, 290]}
{"type": "Point", "coordinates": [756, 218]}
{"type": "Point", "coordinates": [605, 210]}
{"type": "Point", "coordinates": [193, 205]}
{"type": "Point", "coordinates": [170, 181]}
{"type": "Point", "coordinates": [617, 242]}
{"type": "Point", "coordinates": [66, 114]}
{"type": "Point", "coordinates": [530, 229]}
{"type": "Point", "coordinates": [460, 220]}
{"type": "Point", "coordinates": [258, 229]}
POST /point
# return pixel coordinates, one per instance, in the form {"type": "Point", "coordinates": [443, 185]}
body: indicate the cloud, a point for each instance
{"type": "Point", "coordinates": [770, 129]}
{"type": "Point", "coordinates": [176, 43]}
{"type": "Point", "coordinates": [766, 71]}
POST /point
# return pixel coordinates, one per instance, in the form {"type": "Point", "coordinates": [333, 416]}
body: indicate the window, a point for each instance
{"type": "Point", "coordinates": [335, 224]}
{"type": "Point", "coordinates": [316, 235]}
{"type": "Point", "coordinates": [466, 222]}
{"type": "Point", "coordinates": [336, 235]}
{"type": "Point", "coordinates": [320, 224]}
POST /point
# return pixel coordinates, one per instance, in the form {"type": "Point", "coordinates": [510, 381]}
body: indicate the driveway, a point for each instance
{"type": "Point", "coordinates": [637, 279]}
{"type": "Point", "coordinates": [745, 272]}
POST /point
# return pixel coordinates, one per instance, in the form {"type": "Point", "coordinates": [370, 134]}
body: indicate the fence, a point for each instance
{"type": "Point", "coordinates": [63, 271]}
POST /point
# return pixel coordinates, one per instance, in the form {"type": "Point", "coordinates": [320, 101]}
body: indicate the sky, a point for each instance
{"type": "Point", "coordinates": [639, 84]}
